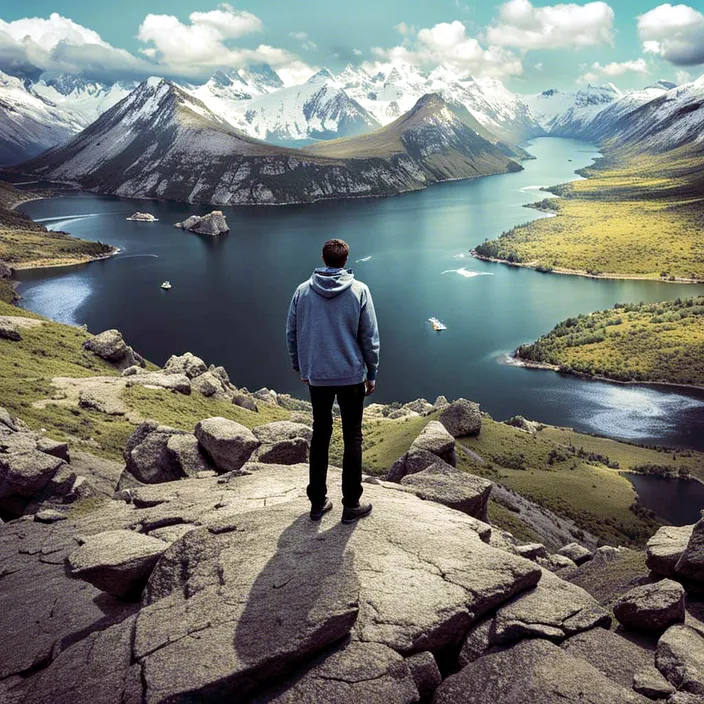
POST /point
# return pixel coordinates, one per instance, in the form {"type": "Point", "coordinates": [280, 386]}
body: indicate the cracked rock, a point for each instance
{"type": "Point", "coordinates": [680, 658]}
{"type": "Point", "coordinates": [228, 443]}
{"type": "Point", "coordinates": [434, 438]}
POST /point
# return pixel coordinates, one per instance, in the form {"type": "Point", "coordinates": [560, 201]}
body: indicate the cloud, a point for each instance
{"type": "Point", "coordinates": [447, 43]}
{"type": "Point", "coordinates": [597, 71]}
{"type": "Point", "coordinates": [306, 42]}
{"type": "Point", "coordinates": [683, 77]}
{"type": "Point", "coordinates": [524, 26]}
{"type": "Point", "coordinates": [674, 32]}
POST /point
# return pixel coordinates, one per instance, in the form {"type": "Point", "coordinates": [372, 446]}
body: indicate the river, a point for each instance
{"type": "Point", "coordinates": [230, 295]}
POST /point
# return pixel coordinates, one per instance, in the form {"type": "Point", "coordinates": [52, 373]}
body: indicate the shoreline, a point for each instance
{"type": "Point", "coordinates": [576, 272]}
{"type": "Point", "coordinates": [515, 360]}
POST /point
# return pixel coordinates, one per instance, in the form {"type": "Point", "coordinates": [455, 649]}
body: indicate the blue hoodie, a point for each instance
{"type": "Point", "coordinates": [332, 333]}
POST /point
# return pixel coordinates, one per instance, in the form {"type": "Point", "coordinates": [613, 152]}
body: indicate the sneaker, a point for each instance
{"type": "Point", "coordinates": [316, 512]}
{"type": "Point", "coordinates": [350, 515]}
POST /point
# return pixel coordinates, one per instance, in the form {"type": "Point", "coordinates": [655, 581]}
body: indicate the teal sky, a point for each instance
{"type": "Point", "coordinates": [338, 33]}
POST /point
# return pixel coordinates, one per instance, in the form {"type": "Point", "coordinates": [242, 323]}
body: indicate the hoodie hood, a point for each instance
{"type": "Point", "coordinates": [330, 282]}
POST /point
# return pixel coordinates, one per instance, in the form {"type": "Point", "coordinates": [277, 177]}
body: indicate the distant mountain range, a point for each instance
{"type": "Point", "coordinates": [76, 115]}
{"type": "Point", "coordinates": [162, 142]}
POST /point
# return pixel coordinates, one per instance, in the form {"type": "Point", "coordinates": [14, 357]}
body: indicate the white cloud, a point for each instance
{"type": "Point", "coordinates": [306, 42]}
{"type": "Point", "coordinates": [447, 43]}
{"type": "Point", "coordinates": [357, 52]}
{"type": "Point", "coordinates": [683, 77]}
{"type": "Point", "coordinates": [598, 71]}
{"type": "Point", "coordinates": [674, 32]}
{"type": "Point", "coordinates": [522, 25]}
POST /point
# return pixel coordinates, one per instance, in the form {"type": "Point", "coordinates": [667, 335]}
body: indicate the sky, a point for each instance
{"type": "Point", "coordinates": [531, 46]}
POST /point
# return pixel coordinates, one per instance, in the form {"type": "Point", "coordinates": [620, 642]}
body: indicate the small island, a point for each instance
{"type": "Point", "coordinates": [213, 223]}
{"type": "Point", "coordinates": [643, 342]}
{"type": "Point", "coordinates": [143, 217]}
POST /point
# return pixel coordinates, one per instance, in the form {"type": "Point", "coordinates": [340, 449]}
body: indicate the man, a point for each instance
{"type": "Point", "coordinates": [333, 341]}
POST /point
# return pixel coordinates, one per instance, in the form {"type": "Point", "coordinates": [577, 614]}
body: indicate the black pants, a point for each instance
{"type": "Point", "coordinates": [351, 402]}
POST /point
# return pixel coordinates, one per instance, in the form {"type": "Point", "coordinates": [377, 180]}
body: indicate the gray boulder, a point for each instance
{"type": "Point", "coordinates": [434, 438]}
{"type": "Point", "coordinates": [118, 562]}
{"type": "Point", "coordinates": [5, 270]}
{"type": "Point", "coordinates": [650, 683]}
{"type": "Point", "coordinates": [420, 406]}
{"type": "Point", "coordinates": [111, 346]}
{"type": "Point", "coordinates": [26, 473]}
{"type": "Point", "coordinates": [440, 402]}
{"type": "Point", "coordinates": [425, 672]}
{"type": "Point", "coordinates": [452, 487]}
{"type": "Point", "coordinates": [9, 331]}
{"type": "Point", "coordinates": [292, 451]}
{"type": "Point", "coordinates": [148, 457]}
{"type": "Point", "coordinates": [49, 515]}
{"type": "Point", "coordinates": [680, 658]}
{"type": "Point", "coordinates": [226, 442]}
{"type": "Point", "coordinates": [576, 552]}
{"type": "Point", "coordinates": [207, 384]}
{"type": "Point", "coordinates": [410, 462]}
{"type": "Point", "coordinates": [186, 452]}
{"type": "Point", "coordinates": [556, 563]}
{"type": "Point", "coordinates": [271, 433]}
{"type": "Point", "coordinates": [53, 447]}
{"type": "Point", "coordinates": [534, 670]}
{"type": "Point", "coordinates": [651, 607]}
{"type": "Point", "coordinates": [531, 551]}
{"type": "Point", "coordinates": [179, 383]}
{"type": "Point", "coordinates": [6, 421]}
{"type": "Point", "coordinates": [213, 223]}
{"type": "Point", "coordinates": [461, 418]}
{"type": "Point", "coordinates": [664, 549]}
{"type": "Point", "coordinates": [266, 395]}
{"type": "Point", "coordinates": [691, 563]}
{"type": "Point", "coordinates": [187, 364]}
{"type": "Point", "coordinates": [245, 401]}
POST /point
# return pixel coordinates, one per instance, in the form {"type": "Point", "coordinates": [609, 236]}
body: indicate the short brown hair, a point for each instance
{"type": "Point", "coordinates": [335, 253]}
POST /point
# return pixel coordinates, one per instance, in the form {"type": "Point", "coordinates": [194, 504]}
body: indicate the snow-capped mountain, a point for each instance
{"type": "Point", "coordinates": [29, 123]}
{"type": "Point", "coordinates": [161, 142]}
{"type": "Point", "coordinates": [564, 114]}
{"type": "Point", "coordinates": [84, 100]}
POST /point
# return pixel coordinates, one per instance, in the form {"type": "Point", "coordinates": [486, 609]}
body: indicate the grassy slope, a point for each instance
{"type": "Point", "coordinates": [26, 244]}
{"type": "Point", "coordinates": [641, 217]}
{"type": "Point", "coordinates": [661, 342]}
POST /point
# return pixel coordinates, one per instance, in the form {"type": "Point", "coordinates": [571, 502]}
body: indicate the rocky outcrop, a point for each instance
{"type": "Point", "coordinates": [118, 562]}
{"type": "Point", "coordinates": [691, 563]}
{"type": "Point", "coordinates": [150, 460]}
{"type": "Point", "coordinates": [452, 487]}
{"type": "Point", "coordinates": [213, 223]}
{"type": "Point", "coordinates": [651, 607]}
{"type": "Point", "coordinates": [575, 552]}
{"type": "Point", "coordinates": [9, 331]}
{"type": "Point", "coordinates": [187, 364]}
{"type": "Point", "coordinates": [434, 438]}
{"type": "Point", "coordinates": [283, 442]}
{"type": "Point", "coordinates": [142, 217]}
{"type": "Point", "coordinates": [159, 380]}
{"type": "Point", "coordinates": [680, 658]}
{"type": "Point", "coordinates": [5, 270]}
{"type": "Point", "coordinates": [228, 444]}
{"type": "Point", "coordinates": [111, 346]}
{"type": "Point", "coordinates": [410, 462]}
{"type": "Point", "coordinates": [665, 548]}
{"type": "Point", "coordinates": [461, 418]}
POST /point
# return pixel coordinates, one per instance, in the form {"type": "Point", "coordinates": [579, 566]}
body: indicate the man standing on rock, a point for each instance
{"type": "Point", "coordinates": [333, 342]}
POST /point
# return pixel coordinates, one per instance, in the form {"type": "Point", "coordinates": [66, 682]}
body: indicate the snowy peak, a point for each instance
{"type": "Point", "coordinates": [323, 76]}
{"type": "Point", "coordinates": [662, 85]}
{"type": "Point", "coordinates": [262, 77]}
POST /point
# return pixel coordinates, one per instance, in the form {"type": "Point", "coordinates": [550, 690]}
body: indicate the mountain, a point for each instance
{"type": "Point", "coordinates": [161, 142]}
{"type": "Point", "coordinates": [29, 123]}
{"type": "Point", "coordinates": [565, 114]}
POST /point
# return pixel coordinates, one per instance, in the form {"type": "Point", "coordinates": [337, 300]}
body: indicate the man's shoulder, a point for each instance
{"type": "Point", "coordinates": [303, 287]}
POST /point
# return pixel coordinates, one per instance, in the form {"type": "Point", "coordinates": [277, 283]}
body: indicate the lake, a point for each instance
{"type": "Point", "coordinates": [231, 293]}
{"type": "Point", "coordinates": [679, 502]}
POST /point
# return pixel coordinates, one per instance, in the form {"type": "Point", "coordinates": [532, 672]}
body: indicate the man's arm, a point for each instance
{"type": "Point", "coordinates": [368, 336]}
{"type": "Point", "coordinates": [291, 339]}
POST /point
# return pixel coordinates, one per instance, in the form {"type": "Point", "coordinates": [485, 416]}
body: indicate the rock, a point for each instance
{"type": "Point", "coordinates": [440, 402]}
{"type": "Point", "coordinates": [186, 364]}
{"type": "Point", "coordinates": [118, 562]}
{"type": "Point", "coordinates": [554, 609]}
{"type": "Point", "coordinates": [5, 270]}
{"type": "Point", "coordinates": [111, 346]}
{"type": "Point", "coordinates": [246, 402]}
{"type": "Point", "coordinates": [419, 406]}
{"type": "Point", "coordinates": [410, 462]}
{"type": "Point", "coordinates": [142, 217]}
{"type": "Point", "coordinates": [7, 421]}
{"type": "Point", "coordinates": [174, 382]}
{"type": "Point", "coordinates": [266, 395]}
{"type": "Point", "coordinates": [478, 642]}
{"type": "Point", "coordinates": [680, 658]}
{"type": "Point", "coordinates": [576, 552]}
{"type": "Point", "coordinates": [521, 423]}
{"type": "Point", "coordinates": [149, 459]}
{"type": "Point", "coordinates": [650, 683]}
{"type": "Point", "coordinates": [461, 418]}
{"type": "Point", "coordinates": [434, 438]}
{"type": "Point", "coordinates": [613, 655]}
{"type": "Point", "coordinates": [186, 452]}
{"type": "Point", "coordinates": [425, 672]}
{"type": "Point", "coordinates": [354, 673]}
{"type": "Point", "coordinates": [131, 371]}
{"type": "Point", "coordinates": [557, 563]}
{"type": "Point", "coordinates": [665, 548]}
{"type": "Point", "coordinates": [531, 551]}
{"type": "Point", "coordinates": [291, 451]}
{"type": "Point", "coordinates": [207, 384]}
{"type": "Point", "coordinates": [452, 487]}
{"type": "Point", "coordinates": [606, 554]}
{"type": "Point", "coordinates": [685, 698]}
{"type": "Point", "coordinates": [402, 413]}
{"type": "Point", "coordinates": [8, 331]}
{"type": "Point", "coordinates": [651, 607]}
{"type": "Point", "coordinates": [271, 433]}
{"type": "Point", "coordinates": [691, 563]}
{"type": "Point", "coordinates": [53, 447]}
{"type": "Point", "coordinates": [25, 474]}
{"type": "Point", "coordinates": [534, 670]}
{"type": "Point", "coordinates": [228, 443]}
{"type": "Point", "coordinates": [213, 223]}
{"type": "Point", "coordinates": [49, 515]}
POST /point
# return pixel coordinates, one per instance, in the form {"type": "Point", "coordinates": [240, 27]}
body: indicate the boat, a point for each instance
{"type": "Point", "coordinates": [437, 325]}
{"type": "Point", "coordinates": [166, 285]}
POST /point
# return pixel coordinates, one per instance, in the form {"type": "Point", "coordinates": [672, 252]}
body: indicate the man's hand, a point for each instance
{"type": "Point", "coordinates": [305, 381]}
{"type": "Point", "coordinates": [369, 387]}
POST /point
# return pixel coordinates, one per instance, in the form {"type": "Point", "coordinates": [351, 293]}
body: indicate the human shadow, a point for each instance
{"type": "Point", "coordinates": [304, 599]}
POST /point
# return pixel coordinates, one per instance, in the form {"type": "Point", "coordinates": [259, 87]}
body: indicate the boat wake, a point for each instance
{"type": "Point", "coordinates": [531, 188]}
{"type": "Point", "coordinates": [135, 256]}
{"type": "Point", "coordinates": [467, 273]}
{"type": "Point", "coordinates": [363, 259]}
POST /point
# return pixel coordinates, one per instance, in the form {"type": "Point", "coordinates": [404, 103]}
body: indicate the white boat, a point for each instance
{"type": "Point", "coordinates": [166, 285]}
{"type": "Point", "coordinates": [437, 325]}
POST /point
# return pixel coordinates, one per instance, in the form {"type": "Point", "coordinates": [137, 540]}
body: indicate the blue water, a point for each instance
{"type": "Point", "coordinates": [230, 295]}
